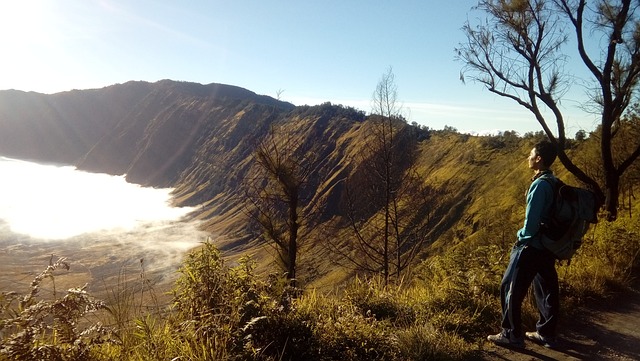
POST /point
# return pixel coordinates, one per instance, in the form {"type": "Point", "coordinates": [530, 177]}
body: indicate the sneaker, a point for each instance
{"type": "Point", "coordinates": [502, 339]}
{"type": "Point", "coordinates": [549, 342]}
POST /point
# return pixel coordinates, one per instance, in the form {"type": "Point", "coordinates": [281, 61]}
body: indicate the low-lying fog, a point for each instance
{"type": "Point", "coordinates": [104, 226]}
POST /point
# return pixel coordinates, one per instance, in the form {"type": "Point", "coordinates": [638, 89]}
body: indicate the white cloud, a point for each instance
{"type": "Point", "coordinates": [50, 202]}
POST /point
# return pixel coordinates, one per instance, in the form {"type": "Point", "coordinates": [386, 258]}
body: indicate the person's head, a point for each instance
{"type": "Point", "coordinates": [542, 155]}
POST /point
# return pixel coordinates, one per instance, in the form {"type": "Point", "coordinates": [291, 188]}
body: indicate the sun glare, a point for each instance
{"type": "Point", "coordinates": [23, 23]}
{"type": "Point", "coordinates": [28, 39]}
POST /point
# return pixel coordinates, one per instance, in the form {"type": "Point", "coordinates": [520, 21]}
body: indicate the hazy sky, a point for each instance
{"type": "Point", "coordinates": [310, 51]}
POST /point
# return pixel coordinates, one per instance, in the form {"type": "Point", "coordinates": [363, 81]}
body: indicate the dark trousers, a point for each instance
{"type": "Point", "coordinates": [529, 265]}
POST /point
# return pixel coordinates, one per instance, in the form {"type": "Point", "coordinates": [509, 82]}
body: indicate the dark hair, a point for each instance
{"type": "Point", "coordinates": [547, 151]}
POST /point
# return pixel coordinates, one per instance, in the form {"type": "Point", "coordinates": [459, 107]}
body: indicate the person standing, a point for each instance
{"type": "Point", "coordinates": [531, 263]}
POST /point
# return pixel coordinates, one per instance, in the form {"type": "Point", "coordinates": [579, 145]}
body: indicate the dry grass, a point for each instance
{"type": "Point", "coordinates": [442, 313]}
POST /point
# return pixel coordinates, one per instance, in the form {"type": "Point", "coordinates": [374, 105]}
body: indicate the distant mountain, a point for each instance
{"type": "Point", "coordinates": [143, 129]}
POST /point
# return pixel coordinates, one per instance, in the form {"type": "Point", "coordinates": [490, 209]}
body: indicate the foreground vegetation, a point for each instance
{"type": "Point", "coordinates": [222, 312]}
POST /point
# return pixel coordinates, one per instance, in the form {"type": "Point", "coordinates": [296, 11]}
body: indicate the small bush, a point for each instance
{"type": "Point", "coordinates": [604, 263]}
{"type": "Point", "coordinates": [230, 310]}
{"type": "Point", "coordinates": [39, 329]}
{"type": "Point", "coordinates": [280, 335]}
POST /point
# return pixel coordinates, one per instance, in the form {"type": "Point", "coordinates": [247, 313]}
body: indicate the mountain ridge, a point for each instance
{"type": "Point", "coordinates": [64, 127]}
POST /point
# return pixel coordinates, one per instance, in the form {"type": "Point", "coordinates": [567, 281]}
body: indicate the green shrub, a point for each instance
{"type": "Point", "coordinates": [280, 335]}
{"type": "Point", "coordinates": [211, 303]}
{"type": "Point", "coordinates": [230, 310]}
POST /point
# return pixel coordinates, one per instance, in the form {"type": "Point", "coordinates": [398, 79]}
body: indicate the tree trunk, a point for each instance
{"type": "Point", "coordinates": [612, 190]}
{"type": "Point", "coordinates": [293, 237]}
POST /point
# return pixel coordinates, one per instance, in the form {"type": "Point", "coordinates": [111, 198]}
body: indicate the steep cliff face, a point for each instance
{"type": "Point", "coordinates": [158, 137]}
{"type": "Point", "coordinates": [222, 165]}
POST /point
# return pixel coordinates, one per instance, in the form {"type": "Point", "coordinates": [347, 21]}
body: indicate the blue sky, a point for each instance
{"type": "Point", "coordinates": [311, 51]}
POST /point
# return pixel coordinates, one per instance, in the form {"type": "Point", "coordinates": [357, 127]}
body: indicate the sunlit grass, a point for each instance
{"type": "Point", "coordinates": [442, 313]}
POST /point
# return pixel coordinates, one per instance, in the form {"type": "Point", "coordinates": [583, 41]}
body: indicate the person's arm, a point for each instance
{"type": "Point", "coordinates": [538, 198]}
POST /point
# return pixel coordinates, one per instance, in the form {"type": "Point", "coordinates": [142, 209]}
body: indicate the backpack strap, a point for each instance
{"type": "Point", "coordinates": [555, 184]}
{"type": "Point", "coordinates": [551, 227]}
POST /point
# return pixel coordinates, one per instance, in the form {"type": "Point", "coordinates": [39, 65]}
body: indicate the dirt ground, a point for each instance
{"type": "Point", "coordinates": [606, 331]}
{"type": "Point", "coordinates": [102, 265]}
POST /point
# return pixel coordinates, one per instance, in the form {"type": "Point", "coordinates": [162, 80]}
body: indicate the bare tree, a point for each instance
{"type": "Point", "coordinates": [386, 199]}
{"type": "Point", "coordinates": [519, 52]}
{"type": "Point", "coordinates": [277, 195]}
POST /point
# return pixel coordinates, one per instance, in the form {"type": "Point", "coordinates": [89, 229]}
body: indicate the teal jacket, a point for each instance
{"type": "Point", "coordinates": [539, 201]}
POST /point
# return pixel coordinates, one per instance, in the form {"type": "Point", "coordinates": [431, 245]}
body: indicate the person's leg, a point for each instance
{"type": "Point", "coordinates": [505, 287]}
{"type": "Point", "coordinates": [522, 272]}
{"type": "Point", "coordinates": [505, 338]}
{"type": "Point", "coordinates": [546, 292]}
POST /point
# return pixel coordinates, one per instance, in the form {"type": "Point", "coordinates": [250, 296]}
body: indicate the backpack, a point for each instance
{"type": "Point", "coordinates": [572, 212]}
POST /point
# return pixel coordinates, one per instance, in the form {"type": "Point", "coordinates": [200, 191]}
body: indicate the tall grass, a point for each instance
{"type": "Point", "coordinates": [606, 261]}
{"type": "Point", "coordinates": [223, 312]}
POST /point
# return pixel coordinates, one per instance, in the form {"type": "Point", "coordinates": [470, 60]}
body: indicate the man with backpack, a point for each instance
{"type": "Point", "coordinates": [530, 262]}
